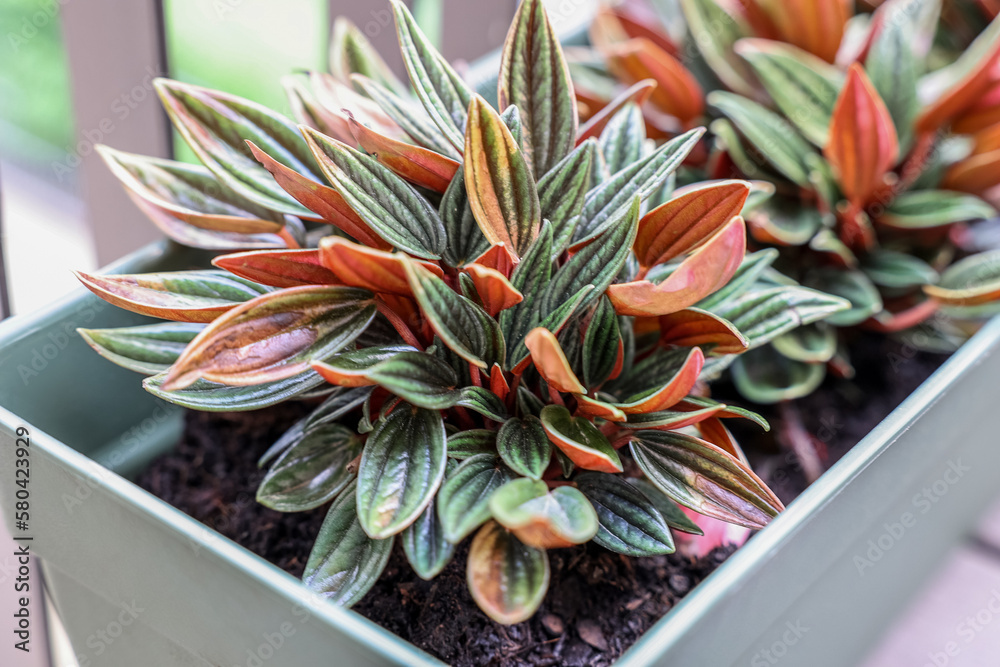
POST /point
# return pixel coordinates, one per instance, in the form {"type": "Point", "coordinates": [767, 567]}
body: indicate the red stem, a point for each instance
{"type": "Point", "coordinates": [398, 324]}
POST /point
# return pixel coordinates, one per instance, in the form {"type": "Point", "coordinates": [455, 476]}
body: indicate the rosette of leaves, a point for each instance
{"type": "Point", "coordinates": [495, 335]}
{"type": "Point", "coordinates": [871, 159]}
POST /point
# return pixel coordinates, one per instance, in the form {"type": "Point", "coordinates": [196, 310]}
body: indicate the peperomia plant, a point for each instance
{"type": "Point", "coordinates": [504, 344]}
{"type": "Point", "coordinates": [873, 148]}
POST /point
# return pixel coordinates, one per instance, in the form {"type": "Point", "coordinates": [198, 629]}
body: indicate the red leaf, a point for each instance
{"type": "Point", "coordinates": [376, 270]}
{"type": "Point", "coordinates": [677, 92]}
{"type": "Point", "coordinates": [964, 95]}
{"type": "Point", "coordinates": [814, 25]}
{"type": "Point", "coordinates": [499, 258]}
{"type": "Point", "coordinates": [863, 145]}
{"type": "Point", "coordinates": [674, 391]}
{"type": "Point", "coordinates": [324, 200]}
{"type": "Point", "coordinates": [278, 268]}
{"type": "Point", "coordinates": [637, 93]}
{"type": "Point", "coordinates": [691, 327]}
{"type": "Point", "coordinates": [548, 357]}
{"type": "Point", "coordinates": [419, 166]}
{"type": "Point", "coordinates": [493, 288]}
{"type": "Point", "coordinates": [705, 271]}
{"type": "Point", "coordinates": [692, 216]}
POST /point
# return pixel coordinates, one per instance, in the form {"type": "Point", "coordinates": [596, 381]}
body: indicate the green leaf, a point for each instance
{"type": "Point", "coordinates": [441, 90]}
{"type": "Point", "coordinates": [581, 441]}
{"type": "Point", "coordinates": [186, 296]}
{"type": "Point", "coordinates": [534, 77]}
{"type": "Point", "coordinates": [667, 419]}
{"type": "Point", "coordinates": [542, 518]}
{"type": "Point", "coordinates": [214, 397]}
{"type": "Point", "coordinates": [703, 477]}
{"type": "Point", "coordinates": [506, 578]}
{"type": "Point", "coordinates": [191, 206]}
{"type": "Point", "coordinates": [274, 336]}
{"type": "Point", "coordinates": [464, 327]}
{"type": "Point", "coordinates": [804, 87]}
{"type": "Point", "coordinates": [524, 446]}
{"type": "Point", "coordinates": [769, 133]}
{"type": "Point", "coordinates": [383, 200]}
{"type": "Point", "coordinates": [498, 180]}
{"type": "Point", "coordinates": [352, 53]}
{"type": "Point", "coordinates": [606, 203]}
{"type": "Point", "coordinates": [601, 344]}
{"type": "Point", "coordinates": [894, 68]}
{"type": "Point", "coordinates": [344, 562]}
{"type": "Point", "coordinates": [715, 32]}
{"type": "Point", "coordinates": [465, 240]}
{"type": "Point", "coordinates": [767, 376]}
{"type": "Point", "coordinates": [785, 221]}
{"type": "Point", "coordinates": [622, 139]}
{"type": "Point", "coordinates": [425, 546]}
{"type": "Point", "coordinates": [554, 322]}
{"type": "Point", "coordinates": [562, 191]}
{"type": "Point", "coordinates": [466, 444]}
{"type": "Point", "coordinates": [463, 502]}
{"type": "Point", "coordinates": [401, 469]}
{"type": "Point", "coordinates": [923, 209]}
{"type": "Point", "coordinates": [530, 277]}
{"type": "Point", "coordinates": [483, 401]}
{"type": "Point", "coordinates": [311, 472]}
{"type": "Point", "coordinates": [217, 126]}
{"type": "Point", "coordinates": [813, 343]}
{"type": "Point", "coordinates": [630, 523]}
{"type": "Point", "coordinates": [359, 362]}
{"type": "Point", "coordinates": [148, 349]}
{"type": "Point", "coordinates": [764, 314]}
{"type": "Point", "coordinates": [672, 514]}
{"type": "Point", "coordinates": [851, 285]}
{"type": "Point", "coordinates": [418, 378]}
{"type": "Point", "coordinates": [597, 263]}
{"type": "Point", "coordinates": [899, 270]}
{"type": "Point", "coordinates": [971, 281]}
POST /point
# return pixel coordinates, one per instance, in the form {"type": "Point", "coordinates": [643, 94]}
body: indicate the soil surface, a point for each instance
{"type": "Point", "coordinates": [599, 603]}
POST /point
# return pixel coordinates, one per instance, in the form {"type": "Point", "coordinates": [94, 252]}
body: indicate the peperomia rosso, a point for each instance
{"type": "Point", "coordinates": [870, 137]}
{"type": "Point", "coordinates": [503, 319]}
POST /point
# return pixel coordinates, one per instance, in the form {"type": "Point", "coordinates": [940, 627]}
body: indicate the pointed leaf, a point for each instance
{"type": "Point", "coordinates": [672, 514]}
{"type": "Point", "coordinates": [493, 288]}
{"type": "Point", "coordinates": [418, 378]}
{"type": "Point", "coordinates": [465, 240]}
{"type": "Point", "coordinates": [562, 191]}
{"type": "Point", "coordinates": [524, 446]}
{"type": "Point", "coordinates": [534, 76]}
{"type": "Point", "coordinates": [763, 315]}
{"type": "Point", "coordinates": [367, 268]}
{"type": "Point", "coordinates": [814, 25]}
{"type": "Point", "coordinates": [602, 344]}
{"type": "Point", "coordinates": [344, 562]}
{"type": "Point", "coordinates": [699, 475]}
{"type": "Point", "coordinates": [401, 469]}
{"type": "Point", "coordinates": [851, 285]}
{"type": "Point", "coordinates": [638, 93]}
{"type": "Point", "coordinates": [278, 268]}
{"type": "Point", "coordinates": [579, 440]}
{"type": "Point", "coordinates": [894, 67]}
{"type": "Point", "coordinates": [386, 203]}
{"type": "Point", "coordinates": [350, 369]}
{"type": "Point", "coordinates": [707, 269]}
{"type": "Point", "coordinates": [969, 282]}
{"type": "Point", "coordinates": [214, 397]}
{"type": "Point", "coordinates": [803, 86]}
{"type": "Point", "coordinates": [274, 336]}
{"type": "Point", "coordinates": [923, 209]}
{"type": "Point", "coordinates": [695, 327]}
{"type": "Point", "coordinates": [630, 523]}
{"type": "Point", "coordinates": [183, 296]}
{"type": "Point", "coordinates": [312, 471]}
{"type": "Point", "coordinates": [506, 578]}
{"type": "Point", "coordinates": [498, 180]}
{"type": "Point", "coordinates": [463, 502]}
{"type": "Point", "coordinates": [148, 349]}
{"type": "Point", "coordinates": [863, 146]}
{"type": "Point", "coordinates": [677, 91]}
{"type": "Point", "coordinates": [769, 133]}
{"type": "Point", "coordinates": [717, 31]}
{"type": "Point", "coordinates": [550, 361]}
{"type": "Point", "coordinates": [888, 268]}
{"type": "Point", "coordinates": [216, 126]}
{"type": "Point", "coordinates": [541, 518]}
{"type": "Point", "coordinates": [443, 93]}
{"type": "Point", "coordinates": [462, 325]}
{"type": "Point", "coordinates": [681, 381]}
{"type": "Point", "coordinates": [624, 138]}
{"type": "Point", "coordinates": [419, 166]}
{"type": "Point", "coordinates": [607, 202]}
{"type": "Point", "coordinates": [687, 220]}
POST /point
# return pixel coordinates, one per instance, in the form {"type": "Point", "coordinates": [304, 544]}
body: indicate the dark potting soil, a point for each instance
{"type": "Point", "coordinates": [598, 604]}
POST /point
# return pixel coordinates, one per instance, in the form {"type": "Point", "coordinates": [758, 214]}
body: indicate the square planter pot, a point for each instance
{"type": "Point", "coordinates": [135, 581]}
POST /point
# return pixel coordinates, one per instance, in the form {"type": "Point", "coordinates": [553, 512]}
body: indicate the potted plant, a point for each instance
{"type": "Point", "coordinates": [295, 345]}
